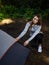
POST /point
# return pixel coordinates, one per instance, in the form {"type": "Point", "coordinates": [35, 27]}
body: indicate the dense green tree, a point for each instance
{"type": "Point", "coordinates": [43, 4]}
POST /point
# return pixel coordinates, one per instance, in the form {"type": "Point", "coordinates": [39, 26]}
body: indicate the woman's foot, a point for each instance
{"type": "Point", "coordinates": [40, 48]}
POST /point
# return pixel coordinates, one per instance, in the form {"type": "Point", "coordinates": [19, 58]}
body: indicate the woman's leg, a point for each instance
{"type": "Point", "coordinates": [37, 40]}
{"type": "Point", "coordinates": [33, 43]}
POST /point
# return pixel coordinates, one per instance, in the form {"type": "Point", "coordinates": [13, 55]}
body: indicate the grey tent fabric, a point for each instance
{"type": "Point", "coordinates": [5, 42]}
{"type": "Point", "coordinates": [16, 55]}
{"type": "Point", "coordinates": [11, 53]}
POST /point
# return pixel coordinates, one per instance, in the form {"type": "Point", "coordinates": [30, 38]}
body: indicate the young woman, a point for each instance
{"type": "Point", "coordinates": [36, 35]}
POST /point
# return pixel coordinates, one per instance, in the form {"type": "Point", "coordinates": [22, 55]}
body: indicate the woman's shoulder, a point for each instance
{"type": "Point", "coordinates": [29, 22]}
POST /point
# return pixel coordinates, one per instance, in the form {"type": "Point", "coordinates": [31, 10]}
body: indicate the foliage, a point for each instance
{"type": "Point", "coordinates": [9, 11]}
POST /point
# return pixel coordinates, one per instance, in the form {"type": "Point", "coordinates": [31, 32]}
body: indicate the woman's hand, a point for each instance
{"type": "Point", "coordinates": [26, 43]}
{"type": "Point", "coordinates": [17, 39]}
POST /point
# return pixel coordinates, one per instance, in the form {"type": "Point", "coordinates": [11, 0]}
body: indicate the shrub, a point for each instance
{"type": "Point", "coordinates": [9, 11]}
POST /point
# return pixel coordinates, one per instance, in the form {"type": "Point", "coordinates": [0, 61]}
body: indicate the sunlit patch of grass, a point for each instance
{"type": "Point", "coordinates": [6, 21]}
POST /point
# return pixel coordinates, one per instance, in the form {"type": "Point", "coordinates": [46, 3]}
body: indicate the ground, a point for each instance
{"type": "Point", "coordinates": [34, 58]}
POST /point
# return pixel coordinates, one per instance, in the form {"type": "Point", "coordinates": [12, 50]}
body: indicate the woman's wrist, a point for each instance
{"type": "Point", "coordinates": [26, 43]}
{"type": "Point", "coordinates": [28, 40]}
{"type": "Point", "coordinates": [17, 39]}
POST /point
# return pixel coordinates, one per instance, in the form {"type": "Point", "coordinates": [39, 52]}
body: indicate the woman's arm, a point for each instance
{"type": "Point", "coordinates": [36, 32]}
{"type": "Point", "coordinates": [24, 31]}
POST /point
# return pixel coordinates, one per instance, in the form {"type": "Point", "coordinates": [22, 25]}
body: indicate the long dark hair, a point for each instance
{"type": "Point", "coordinates": [39, 20]}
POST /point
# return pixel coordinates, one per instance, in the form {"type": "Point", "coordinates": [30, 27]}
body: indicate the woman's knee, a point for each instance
{"type": "Point", "coordinates": [39, 37]}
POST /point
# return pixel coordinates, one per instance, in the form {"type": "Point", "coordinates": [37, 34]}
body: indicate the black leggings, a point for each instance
{"type": "Point", "coordinates": [37, 40]}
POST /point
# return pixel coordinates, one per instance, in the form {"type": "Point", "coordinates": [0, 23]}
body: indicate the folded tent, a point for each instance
{"type": "Point", "coordinates": [11, 52]}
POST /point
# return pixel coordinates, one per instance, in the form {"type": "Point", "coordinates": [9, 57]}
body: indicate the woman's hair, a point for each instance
{"type": "Point", "coordinates": [39, 20]}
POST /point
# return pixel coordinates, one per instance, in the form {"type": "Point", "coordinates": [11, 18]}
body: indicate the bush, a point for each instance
{"type": "Point", "coordinates": [9, 11]}
{"type": "Point", "coordinates": [45, 14]}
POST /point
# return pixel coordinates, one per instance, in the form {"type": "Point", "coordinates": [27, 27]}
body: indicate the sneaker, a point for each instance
{"type": "Point", "coordinates": [40, 48]}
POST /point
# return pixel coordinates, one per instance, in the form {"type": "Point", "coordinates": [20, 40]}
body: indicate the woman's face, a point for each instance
{"type": "Point", "coordinates": [35, 19]}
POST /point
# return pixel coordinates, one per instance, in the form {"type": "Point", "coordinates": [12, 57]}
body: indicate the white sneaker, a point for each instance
{"type": "Point", "coordinates": [40, 48]}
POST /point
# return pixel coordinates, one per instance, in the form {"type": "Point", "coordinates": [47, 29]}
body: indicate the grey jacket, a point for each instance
{"type": "Point", "coordinates": [33, 31]}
